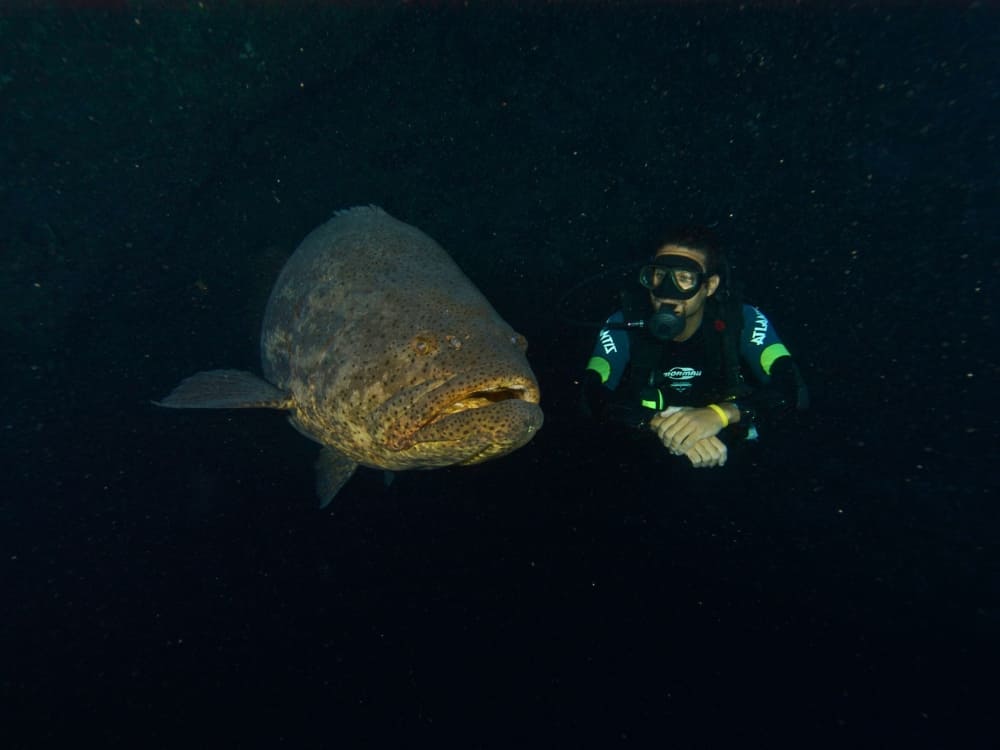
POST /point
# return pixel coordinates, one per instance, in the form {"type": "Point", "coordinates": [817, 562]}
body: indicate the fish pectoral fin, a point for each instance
{"type": "Point", "coordinates": [333, 469]}
{"type": "Point", "coordinates": [225, 389]}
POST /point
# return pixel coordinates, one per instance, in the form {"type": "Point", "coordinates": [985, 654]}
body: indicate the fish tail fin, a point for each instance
{"type": "Point", "coordinates": [333, 469]}
{"type": "Point", "coordinates": [225, 389]}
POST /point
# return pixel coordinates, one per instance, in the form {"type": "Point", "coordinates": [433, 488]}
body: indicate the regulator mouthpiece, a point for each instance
{"type": "Point", "coordinates": [665, 324]}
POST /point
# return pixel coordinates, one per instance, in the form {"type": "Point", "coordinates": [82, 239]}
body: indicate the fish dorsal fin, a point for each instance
{"type": "Point", "coordinates": [333, 469]}
{"type": "Point", "coordinates": [364, 212]}
{"type": "Point", "coordinates": [225, 389]}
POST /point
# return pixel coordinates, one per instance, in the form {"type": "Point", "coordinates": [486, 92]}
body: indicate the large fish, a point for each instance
{"type": "Point", "coordinates": [383, 352]}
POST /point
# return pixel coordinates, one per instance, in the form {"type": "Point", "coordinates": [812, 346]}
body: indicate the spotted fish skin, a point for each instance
{"type": "Point", "coordinates": [385, 353]}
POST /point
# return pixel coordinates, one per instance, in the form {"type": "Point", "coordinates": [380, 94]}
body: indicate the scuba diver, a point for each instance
{"type": "Point", "coordinates": [685, 358]}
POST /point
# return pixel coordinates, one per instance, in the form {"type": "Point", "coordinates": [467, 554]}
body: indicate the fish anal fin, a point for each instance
{"type": "Point", "coordinates": [225, 389]}
{"type": "Point", "coordinates": [333, 469]}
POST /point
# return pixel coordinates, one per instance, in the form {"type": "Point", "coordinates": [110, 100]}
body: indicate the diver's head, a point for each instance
{"type": "Point", "coordinates": [685, 270]}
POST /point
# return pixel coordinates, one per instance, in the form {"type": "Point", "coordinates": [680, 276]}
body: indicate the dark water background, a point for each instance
{"type": "Point", "coordinates": [166, 577]}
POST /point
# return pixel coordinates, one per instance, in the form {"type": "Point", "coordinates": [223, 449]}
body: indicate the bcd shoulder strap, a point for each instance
{"type": "Point", "coordinates": [723, 326]}
{"type": "Point", "coordinates": [644, 350]}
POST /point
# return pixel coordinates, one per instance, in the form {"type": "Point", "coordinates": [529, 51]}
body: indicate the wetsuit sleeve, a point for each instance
{"type": "Point", "coordinates": [778, 388]}
{"type": "Point", "coordinates": [611, 353]}
{"type": "Point", "coordinates": [603, 375]}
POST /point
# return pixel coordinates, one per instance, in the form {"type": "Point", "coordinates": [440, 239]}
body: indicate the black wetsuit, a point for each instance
{"type": "Point", "coordinates": [736, 356]}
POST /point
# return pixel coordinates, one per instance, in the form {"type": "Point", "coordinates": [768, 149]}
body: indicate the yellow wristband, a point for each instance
{"type": "Point", "coordinates": [722, 415]}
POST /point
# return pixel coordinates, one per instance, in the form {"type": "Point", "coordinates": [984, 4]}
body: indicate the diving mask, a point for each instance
{"type": "Point", "coordinates": [672, 277]}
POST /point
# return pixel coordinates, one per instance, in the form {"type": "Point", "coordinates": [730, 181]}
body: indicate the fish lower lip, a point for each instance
{"type": "Point", "coordinates": [484, 423]}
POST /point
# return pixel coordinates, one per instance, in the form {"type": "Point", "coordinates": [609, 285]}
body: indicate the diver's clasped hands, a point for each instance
{"type": "Point", "coordinates": [680, 427]}
{"type": "Point", "coordinates": [691, 432]}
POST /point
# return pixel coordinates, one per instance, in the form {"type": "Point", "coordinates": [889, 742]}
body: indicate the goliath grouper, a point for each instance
{"type": "Point", "coordinates": [383, 352]}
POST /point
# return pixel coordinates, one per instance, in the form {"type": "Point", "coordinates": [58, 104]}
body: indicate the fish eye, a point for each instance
{"type": "Point", "coordinates": [423, 344]}
{"type": "Point", "coordinates": [519, 341]}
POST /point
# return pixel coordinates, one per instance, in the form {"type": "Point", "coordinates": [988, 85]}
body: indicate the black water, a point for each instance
{"type": "Point", "coordinates": [166, 578]}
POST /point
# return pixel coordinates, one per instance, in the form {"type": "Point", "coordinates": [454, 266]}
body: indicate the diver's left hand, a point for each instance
{"type": "Point", "coordinates": [708, 453]}
{"type": "Point", "coordinates": [680, 429]}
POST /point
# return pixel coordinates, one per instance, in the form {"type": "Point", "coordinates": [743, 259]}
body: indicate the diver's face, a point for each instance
{"type": "Point", "coordinates": [692, 309]}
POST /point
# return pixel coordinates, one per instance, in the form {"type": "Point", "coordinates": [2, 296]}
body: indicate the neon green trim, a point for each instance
{"type": "Point", "coordinates": [651, 404]}
{"type": "Point", "coordinates": [601, 366]}
{"type": "Point", "coordinates": [769, 355]}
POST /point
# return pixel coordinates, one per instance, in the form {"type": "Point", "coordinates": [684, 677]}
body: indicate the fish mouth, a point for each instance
{"type": "Point", "coordinates": [475, 422]}
{"type": "Point", "coordinates": [480, 398]}
{"type": "Point", "coordinates": [462, 419]}
{"type": "Point", "coordinates": [456, 398]}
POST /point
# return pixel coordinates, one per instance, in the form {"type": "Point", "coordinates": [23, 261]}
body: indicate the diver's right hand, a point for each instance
{"type": "Point", "coordinates": [708, 452]}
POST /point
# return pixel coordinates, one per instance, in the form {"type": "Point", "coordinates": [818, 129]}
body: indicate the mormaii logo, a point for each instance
{"type": "Point", "coordinates": [682, 373]}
